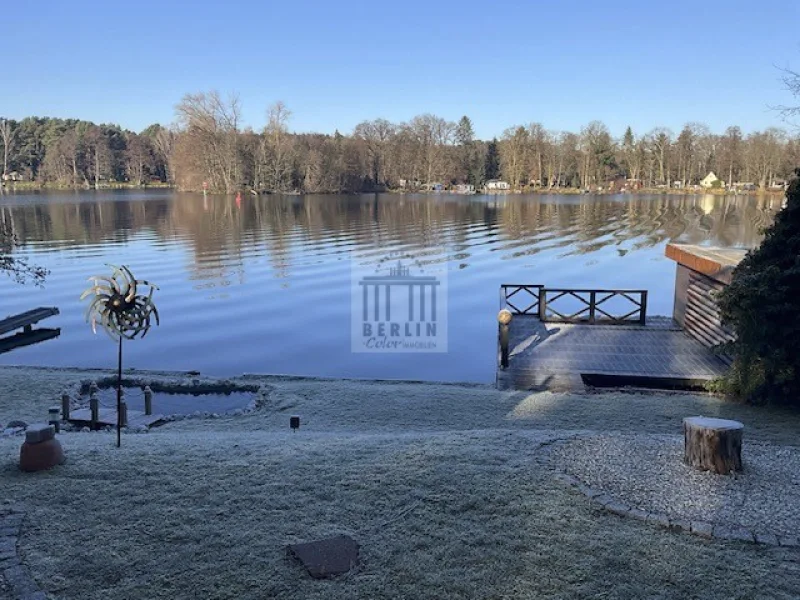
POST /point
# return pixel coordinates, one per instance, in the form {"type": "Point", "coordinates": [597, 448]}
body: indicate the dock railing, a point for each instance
{"type": "Point", "coordinates": [561, 305]}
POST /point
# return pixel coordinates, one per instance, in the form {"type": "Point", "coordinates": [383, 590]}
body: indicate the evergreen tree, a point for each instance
{"type": "Point", "coordinates": [465, 135]}
{"type": "Point", "coordinates": [762, 304]}
{"type": "Point", "coordinates": [492, 169]}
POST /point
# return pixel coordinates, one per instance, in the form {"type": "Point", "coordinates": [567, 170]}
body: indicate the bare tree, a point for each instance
{"type": "Point", "coordinates": [211, 127]}
{"type": "Point", "coordinates": [660, 140]}
{"type": "Point", "coordinates": [138, 158]}
{"type": "Point", "coordinates": [514, 149]}
{"type": "Point", "coordinates": [7, 134]}
{"type": "Point", "coordinates": [376, 136]}
{"type": "Point", "coordinates": [164, 143]}
{"type": "Point", "coordinates": [99, 154]}
{"type": "Point", "coordinates": [274, 166]}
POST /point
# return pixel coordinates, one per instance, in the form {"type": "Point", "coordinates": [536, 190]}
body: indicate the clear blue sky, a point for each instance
{"type": "Point", "coordinates": [335, 63]}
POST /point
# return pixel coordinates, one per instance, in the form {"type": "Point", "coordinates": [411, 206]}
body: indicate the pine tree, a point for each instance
{"type": "Point", "coordinates": [492, 169]}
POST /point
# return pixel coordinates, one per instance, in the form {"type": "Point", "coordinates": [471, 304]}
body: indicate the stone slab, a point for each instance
{"type": "Point", "coordinates": [327, 557]}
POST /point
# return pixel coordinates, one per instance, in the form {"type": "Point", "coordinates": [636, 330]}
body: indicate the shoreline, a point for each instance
{"type": "Point", "coordinates": [26, 187]}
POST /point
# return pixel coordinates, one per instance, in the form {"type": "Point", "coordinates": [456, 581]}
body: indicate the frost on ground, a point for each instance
{"type": "Point", "coordinates": [647, 472]}
{"type": "Point", "coordinates": [445, 487]}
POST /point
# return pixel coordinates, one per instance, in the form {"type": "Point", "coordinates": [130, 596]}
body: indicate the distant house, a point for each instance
{"type": "Point", "coordinates": [464, 188]}
{"type": "Point", "coordinates": [778, 184]}
{"type": "Point", "coordinates": [12, 176]}
{"type": "Point", "coordinates": [433, 187]}
{"type": "Point", "coordinates": [409, 183]}
{"type": "Point", "coordinates": [497, 185]}
{"type": "Point", "coordinates": [633, 184]}
{"type": "Point", "coordinates": [710, 181]}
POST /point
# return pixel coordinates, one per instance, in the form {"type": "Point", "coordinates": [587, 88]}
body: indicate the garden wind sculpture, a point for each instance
{"type": "Point", "coordinates": [122, 312]}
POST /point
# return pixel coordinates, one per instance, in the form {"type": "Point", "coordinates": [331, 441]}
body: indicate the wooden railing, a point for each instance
{"type": "Point", "coordinates": [588, 306]}
{"type": "Point", "coordinates": [520, 299]}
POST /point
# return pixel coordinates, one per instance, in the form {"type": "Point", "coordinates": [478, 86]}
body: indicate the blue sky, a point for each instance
{"type": "Point", "coordinates": [562, 63]}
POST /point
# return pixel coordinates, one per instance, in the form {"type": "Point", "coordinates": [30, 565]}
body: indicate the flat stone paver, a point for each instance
{"type": "Point", "coordinates": [328, 557]}
{"type": "Point", "coordinates": [555, 355]}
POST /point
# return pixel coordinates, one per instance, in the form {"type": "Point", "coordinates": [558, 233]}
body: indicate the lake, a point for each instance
{"type": "Point", "coordinates": [263, 284]}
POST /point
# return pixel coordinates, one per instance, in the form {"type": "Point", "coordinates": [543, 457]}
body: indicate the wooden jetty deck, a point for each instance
{"type": "Point", "coordinates": [567, 339]}
{"type": "Point", "coordinates": [28, 335]}
{"type": "Point", "coordinates": [108, 417]}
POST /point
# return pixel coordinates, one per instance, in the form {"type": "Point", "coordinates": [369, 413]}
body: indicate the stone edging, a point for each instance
{"type": "Point", "coordinates": [705, 529]}
{"type": "Point", "coordinates": [16, 575]}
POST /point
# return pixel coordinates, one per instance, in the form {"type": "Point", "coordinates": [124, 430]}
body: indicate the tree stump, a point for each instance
{"type": "Point", "coordinates": [712, 444]}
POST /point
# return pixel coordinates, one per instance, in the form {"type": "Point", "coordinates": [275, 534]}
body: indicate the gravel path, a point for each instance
{"type": "Point", "coordinates": [647, 472]}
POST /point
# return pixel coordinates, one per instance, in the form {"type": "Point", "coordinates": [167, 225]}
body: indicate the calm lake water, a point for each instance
{"type": "Point", "coordinates": [263, 285]}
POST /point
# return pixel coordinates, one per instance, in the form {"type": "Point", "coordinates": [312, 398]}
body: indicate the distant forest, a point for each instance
{"type": "Point", "coordinates": [208, 144]}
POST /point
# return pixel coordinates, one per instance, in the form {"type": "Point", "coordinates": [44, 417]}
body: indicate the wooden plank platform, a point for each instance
{"type": "Point", "coordinates": [108, 416]}
{"type": "Point", "coordinates": [555, 355]}
{"type": "Point", "coordinates": [26, 319]}
{"type": "Point", "coordinates": [26, 338]}
{"type": "Point", "coordinates": [28, 335]}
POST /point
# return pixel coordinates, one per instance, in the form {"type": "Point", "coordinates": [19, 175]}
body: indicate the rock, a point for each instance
{"type": "Point", "coordinates": [767, 539]}
{"type": "Point", "coordinates": [702, 528]}
{"type": "Point", "coordinates": [85, 429]}
{"type": "Point", "coordinates": [733, 532]}
{"type": "Point", "coordinates": [679, 525]}
{"type": "Point", "coordinates": [328, 557]}
{"type": "Point", "coordinates": [40, 432]}
{"type": "Point", "coordinates": [16, 424]}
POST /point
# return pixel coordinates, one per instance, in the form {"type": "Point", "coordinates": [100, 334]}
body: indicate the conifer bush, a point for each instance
{"type": "Point", "coordinates": [762, 306]}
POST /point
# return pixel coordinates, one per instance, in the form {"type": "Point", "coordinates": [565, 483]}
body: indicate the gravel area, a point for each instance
{"type": "Point", "coordinates": [647, 472]}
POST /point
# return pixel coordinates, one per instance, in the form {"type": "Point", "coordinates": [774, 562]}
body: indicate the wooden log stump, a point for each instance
{"type": "Point", "coordinates": [712, 444]}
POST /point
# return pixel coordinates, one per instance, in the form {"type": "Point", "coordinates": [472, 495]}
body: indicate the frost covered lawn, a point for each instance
{"type": "Point", "coordinates": [445, 488]}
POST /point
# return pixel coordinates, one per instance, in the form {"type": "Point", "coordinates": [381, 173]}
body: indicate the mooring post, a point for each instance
{"type": "Point", "coordinates": [65, 406]}
{"type": "Point", "coordinates": [504, 319]}
{"type": "Point", "coordinates": [123, 414]}
{"type": "Point", "coordinates": [148, 400]}
{"type": "Point", "coordinates": [94, 407]}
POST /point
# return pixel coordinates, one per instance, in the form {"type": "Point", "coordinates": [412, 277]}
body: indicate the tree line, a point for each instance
{"type": "Point", "coordinates": [208, 146]}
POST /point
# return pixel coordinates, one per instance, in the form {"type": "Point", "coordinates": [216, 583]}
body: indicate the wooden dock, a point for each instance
{"type": "Point", "coordinates": [565, 339]}
{"type": "Point", "coordinates": [562, 356]}
{"type": "Point", "coordinates": [108, 417]}
{"type": "Point", "coordinates": [25, 321]}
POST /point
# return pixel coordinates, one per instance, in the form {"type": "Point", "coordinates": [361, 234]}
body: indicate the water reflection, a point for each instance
{"type": "Point", "coordinates": [263, 258]}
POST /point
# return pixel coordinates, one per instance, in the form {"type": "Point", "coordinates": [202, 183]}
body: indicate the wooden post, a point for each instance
{"type": "Point", "coordinates": [123, 414]}
{"type": "Point", "coordinates": [542, 304]}
{"type": "Point", "coordinates": [592, 304]}
{"type": "Point", "coordinates": [65, 406]}
{"type": "Point", "coordinates": [148, 400]}
{"type": "Point", "coordinates": [712, 444]}
{"type": "Point", "coordinates": [94, 407]}
{"type": "Point", "coordinates": [504, 319]}
{"type": "Point", "coordinates": [643, 309]}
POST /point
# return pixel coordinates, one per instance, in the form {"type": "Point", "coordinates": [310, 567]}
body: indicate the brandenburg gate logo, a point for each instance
{"type": "Point", "coordinates": [404, 310]}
